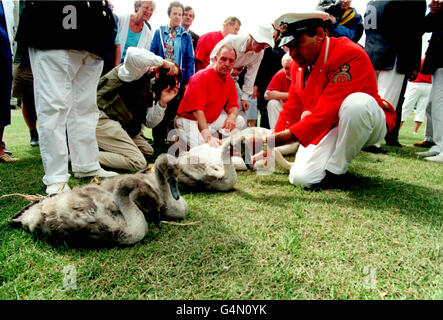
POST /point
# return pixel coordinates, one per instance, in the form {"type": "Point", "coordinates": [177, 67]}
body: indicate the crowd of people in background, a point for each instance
{"type": "Point", "coordinates": [92, 80]}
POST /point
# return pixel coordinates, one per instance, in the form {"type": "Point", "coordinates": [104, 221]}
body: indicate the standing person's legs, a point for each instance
{"type": "Point", "coordinates": [428, 142]}
{"type": "Point", "coordinates": [437, 115]}
{"type": "Point", "coordinates": [391, 87]}
{"type": "Point", "coordinates": [389, 84]}
{"type": "Point", "coordinates": [411, 97]}
{"type": "Point", "coordinates": [5, 105]}
{"type": "Point", "coordinates": [54, 71]}
{"type": "Point", "coordinates": [420, 110]}
{"type": "Point", "coordinates": [83, 115]}
{"type": "Point", "coordinates": [23, 88]}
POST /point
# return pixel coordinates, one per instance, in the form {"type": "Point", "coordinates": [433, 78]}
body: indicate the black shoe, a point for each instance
{"type": "Point", "coordinates": [3, 146]}
{"type": "Point", "coordinates": [424, 144]}
{"type": "Point", "coordinates": [330, 181]}
{"type": "Point", "coordinates": [34, 142]}
{"type": "Point", "coordinates": [393, 143]}
{"type": "Point", "coordinates": [374, 149]}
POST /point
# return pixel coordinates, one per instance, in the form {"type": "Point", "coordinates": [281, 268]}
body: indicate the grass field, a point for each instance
{"type": "Point", "coordinates": [380, 237]}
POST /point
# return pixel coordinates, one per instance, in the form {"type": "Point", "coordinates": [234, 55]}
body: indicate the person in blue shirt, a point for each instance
{"type": "Point", "coordinates": [174, 42]}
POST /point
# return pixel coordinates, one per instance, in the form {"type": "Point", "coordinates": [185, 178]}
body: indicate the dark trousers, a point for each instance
{"type": "Point", "coordinates": [392, 137]}
{"type": "Point", "coordinates": [160, 132]}
{"type": "Point", "coordinates": [262, 108]}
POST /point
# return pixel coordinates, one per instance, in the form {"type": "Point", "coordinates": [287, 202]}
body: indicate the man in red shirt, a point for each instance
{"type": "Point", "coordinates": [278, 91]}
{"type": "Point", "coordinates": [333, 108]}
{"type": "Point", "coordinates": [208, 41]}
{"type": "Point", "coordinates": [210, 103]}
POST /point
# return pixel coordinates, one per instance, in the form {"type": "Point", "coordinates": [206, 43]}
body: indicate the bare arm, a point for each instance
{"type": "Point", "coordinates": [231, 119]}
{"type": "Point", "coordinates": [204, 129]}
{"type": "Point", "coordinates": [276, 95]}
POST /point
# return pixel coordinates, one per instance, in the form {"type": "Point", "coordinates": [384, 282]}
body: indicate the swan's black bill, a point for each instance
{"type": "Point", "coordinates": [173, 185]}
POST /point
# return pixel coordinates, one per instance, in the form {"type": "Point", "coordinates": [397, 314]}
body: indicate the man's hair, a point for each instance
{"type": "Point", "coordinates": [173, 4]}
{"type": "Point", "coordinates": [189, 8]}
{"type": "Point", "coordinates": [138, 4]}
{"type": "Point", "coordinates": [287, 56]}
{"type": "Point", "coordinates": [164, 81]}
{"type": "Point", "coordinates": [226, 46]}
{"type": "Point", "coordinates": [233, 20]}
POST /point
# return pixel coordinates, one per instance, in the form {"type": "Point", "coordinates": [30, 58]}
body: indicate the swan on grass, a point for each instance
{"type": "Point", "coordinates": [215, 169]}
{"type": "Point", "coordinates": [116, 212]}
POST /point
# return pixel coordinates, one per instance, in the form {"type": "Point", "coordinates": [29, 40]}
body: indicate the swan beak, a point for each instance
{"type": "Point", "coordinates": [173, 185]}
{"type": "Point", "coordinates": [157, 220]}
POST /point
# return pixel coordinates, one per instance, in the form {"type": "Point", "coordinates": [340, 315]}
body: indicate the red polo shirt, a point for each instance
{"type": "Point", "coordinates": [279, 82]}
{"type": "Point", "coordinates": [209, 93]}
{"type": "Point", "coordinates": [205, 45]}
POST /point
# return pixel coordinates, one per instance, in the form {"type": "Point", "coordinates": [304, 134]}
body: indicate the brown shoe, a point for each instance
{"type": "Point", "coordinates": [424, 144]}
{"type": "Point", "coordinates": [7, 158]}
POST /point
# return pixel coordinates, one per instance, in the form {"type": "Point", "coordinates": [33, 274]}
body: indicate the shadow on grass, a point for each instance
{"type": "Point", "coordinates": [395, 196]}
{"type": "Point", "coordinates": [407, 152]}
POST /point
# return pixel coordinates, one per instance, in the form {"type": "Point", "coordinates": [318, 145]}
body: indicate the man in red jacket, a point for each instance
{"type": "Point", "coordinates": [333, 108]}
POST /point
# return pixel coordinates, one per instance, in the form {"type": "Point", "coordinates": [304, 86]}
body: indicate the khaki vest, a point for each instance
{"type": "Point", "coordinates": [125, 102]}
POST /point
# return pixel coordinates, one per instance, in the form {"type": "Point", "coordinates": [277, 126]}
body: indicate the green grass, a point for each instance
{"type": "Point", "coordinates": [265, 240]}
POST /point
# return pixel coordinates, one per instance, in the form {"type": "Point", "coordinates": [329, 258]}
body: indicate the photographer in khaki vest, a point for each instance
{"type": "Point", "coordinates": [130, 96]}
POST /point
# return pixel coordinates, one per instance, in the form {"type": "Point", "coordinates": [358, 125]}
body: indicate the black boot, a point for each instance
{"type": "Point", "coordinates": [330, 181]}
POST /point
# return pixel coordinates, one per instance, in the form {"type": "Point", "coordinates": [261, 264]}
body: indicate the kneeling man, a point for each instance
{"type": "Point", "coordinates": [126, 102]}
{"type": "Point", "coordinates": [336, 111]}
{"type": "Point", "coordinates": [210, 103]}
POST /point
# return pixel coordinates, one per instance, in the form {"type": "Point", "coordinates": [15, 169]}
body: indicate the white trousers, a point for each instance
{"type": "Point", "coordinates": [436, 100]}
{"type": "Point", "coordinates": [65, 89]}
{"type": "Point", "coordinates": [190, 134]}
{"type": "Point", "coordinates": [362, 123]}
{"type": "Point", "coordinates": [390, 83]}
{"type": "Point", "coordinates": [417, 94]}
{"type": "Point", "coordinates": [274, 109]}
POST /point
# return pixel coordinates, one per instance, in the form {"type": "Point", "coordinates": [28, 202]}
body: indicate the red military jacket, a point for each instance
{"type": "Point", "coordinates": [342, 68]}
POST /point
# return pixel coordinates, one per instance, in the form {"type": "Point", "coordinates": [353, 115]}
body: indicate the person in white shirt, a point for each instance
{"type": "Point", "coordinates": [250, 49]}
{"type": "Point", "coordinates": [134, 32]}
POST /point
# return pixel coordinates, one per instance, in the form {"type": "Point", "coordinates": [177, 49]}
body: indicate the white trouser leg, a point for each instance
{"type": "Point", "coordinates": [428, 132]}
{"type": "Point", "coordinates": [437, 108]}
{"type": "Point", "coordinates": [422, 102]}
{"type": "Point", "coordinates": [240, 122]}
{"type": "Point", "coordinates": [310, 162]}
{"type": "Point", "coordinates": [65, 83]}
{"type": "Point", "coordinates": [83, 116]}
{"type": "Point", "coordinates": [412, 95]}
{"type": "Point", "coordinates": [417, 95]}
{"type": "Point", "coordinates": [190, 134]}
{"type": "Point", "coordinates": [274, 109]}
{"type": "Point", "coordinates": [389, 85]}
{"type": "Point", "coordinates": [362, 123]}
